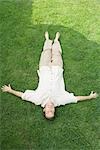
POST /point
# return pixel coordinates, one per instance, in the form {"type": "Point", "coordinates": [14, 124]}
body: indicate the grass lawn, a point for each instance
{"type": "Point", "coordinates": [22, 25]}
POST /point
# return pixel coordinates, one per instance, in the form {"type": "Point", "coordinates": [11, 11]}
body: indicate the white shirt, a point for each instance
{"type": "Point", "coordinates": [51, 87]}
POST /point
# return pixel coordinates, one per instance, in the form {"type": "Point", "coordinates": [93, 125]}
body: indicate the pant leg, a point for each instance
{"type": "Point", "coordinates": [45, 59]}
{"type": "Point", "coordinates": [56, 54]}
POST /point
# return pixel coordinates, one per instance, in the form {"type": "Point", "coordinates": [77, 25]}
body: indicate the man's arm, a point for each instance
{"type": "Point", "coordinates": [91, 96]}
{"type": "Point", "coordinates": [8, 89]}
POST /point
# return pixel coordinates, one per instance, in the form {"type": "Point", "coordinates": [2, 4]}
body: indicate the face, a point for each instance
{"type": "Point", "coordinates": [49, 110]}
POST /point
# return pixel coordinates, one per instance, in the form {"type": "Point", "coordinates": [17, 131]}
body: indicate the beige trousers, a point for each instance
{"type": "Point", "coordinates": [51, 54]}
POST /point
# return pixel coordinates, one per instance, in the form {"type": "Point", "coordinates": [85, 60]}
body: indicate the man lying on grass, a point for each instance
{"type": "Point", "coordinates": [51, 89]}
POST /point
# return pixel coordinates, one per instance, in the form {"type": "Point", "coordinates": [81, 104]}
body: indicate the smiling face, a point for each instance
{"type": "Point", "coordinates": [49, 110]}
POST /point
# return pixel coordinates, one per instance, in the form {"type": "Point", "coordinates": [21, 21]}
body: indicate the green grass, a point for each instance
{"type": "Point", "coordinates": [22, 24]}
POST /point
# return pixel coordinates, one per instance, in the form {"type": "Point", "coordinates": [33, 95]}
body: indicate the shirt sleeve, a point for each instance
{"type": "Point", "coordinates": [32, 96]}
{"type": "Point", "coordinates": [67, 98]}
{"type": "Point", "coordinates": [71, 98]}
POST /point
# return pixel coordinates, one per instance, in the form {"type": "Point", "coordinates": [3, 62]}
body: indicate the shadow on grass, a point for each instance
{"type": "Point", "coordinates": [21, 54]}
{"type": "Point", "coordinates": [23, 126]}
{"type": "Point", "coordinates": [22, 42]}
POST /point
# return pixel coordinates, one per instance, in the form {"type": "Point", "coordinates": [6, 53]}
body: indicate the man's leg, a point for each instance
{"type": "Point", "coordinates": [56, 52]}
{"type": "Point", "coordinates": [45, 59]}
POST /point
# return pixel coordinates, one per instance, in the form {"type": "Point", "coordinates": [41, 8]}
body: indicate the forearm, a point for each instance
{"type": "Point", "coordinates": [16, 93]}
{"type": "Point", "coordinates": [82, 98]}
{"type": "Point", "coordinates": [91, 96]}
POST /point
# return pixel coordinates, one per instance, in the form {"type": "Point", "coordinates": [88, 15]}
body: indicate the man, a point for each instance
{"type": "Point", "coordinates": [51, 90]}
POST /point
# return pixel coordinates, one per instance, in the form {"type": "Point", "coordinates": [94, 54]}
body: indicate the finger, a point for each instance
{"type": "Point", "coordinates": [9, 85]}
{"type": "Point", "coordinates": [96, 94]}
{"type": "Point", "coordinates": [91, 92]}
{"type": "Point", "coordinates": [3, 86]}
{"type": "Point", "coordinates": [3, 90]}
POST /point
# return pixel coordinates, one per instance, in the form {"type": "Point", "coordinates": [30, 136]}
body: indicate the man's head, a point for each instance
{"type": "Point", "coordinates": [49, 110]}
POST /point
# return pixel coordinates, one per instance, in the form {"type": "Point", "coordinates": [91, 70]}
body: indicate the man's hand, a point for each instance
{"type": "Point", "coordinates": [93, 95]}
{"type": "Point", "coordinates": [6, 88]}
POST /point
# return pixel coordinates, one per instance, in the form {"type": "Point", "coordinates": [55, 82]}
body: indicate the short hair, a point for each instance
{"type": "Point", "coordinates": [51, 118]}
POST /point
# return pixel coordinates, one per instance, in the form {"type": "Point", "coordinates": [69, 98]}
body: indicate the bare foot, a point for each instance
{"type": "Point", "coordinates": [47, 35]}
{"type": "Point", "coordinates": [57, 36]}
